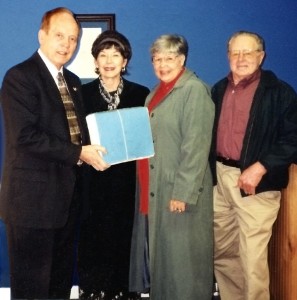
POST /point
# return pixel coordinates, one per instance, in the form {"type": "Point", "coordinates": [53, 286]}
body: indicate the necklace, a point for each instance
{"type": "Point", "coordinates": [112, 99]}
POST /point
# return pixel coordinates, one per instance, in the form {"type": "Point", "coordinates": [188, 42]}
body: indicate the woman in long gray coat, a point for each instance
{"type": "Point", "coordinates": [172, 247]}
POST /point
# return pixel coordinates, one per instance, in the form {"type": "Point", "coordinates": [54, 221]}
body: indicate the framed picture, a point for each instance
{"type": "Point", "coordinates": [92, 25]}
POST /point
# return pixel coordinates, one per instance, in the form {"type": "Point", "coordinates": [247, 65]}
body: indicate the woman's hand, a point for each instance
{"type": "Point", "coordinates": [177, 206]}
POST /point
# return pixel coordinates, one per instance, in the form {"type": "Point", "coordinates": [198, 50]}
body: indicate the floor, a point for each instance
{"type": "Point", "coordinates": [5, 294]}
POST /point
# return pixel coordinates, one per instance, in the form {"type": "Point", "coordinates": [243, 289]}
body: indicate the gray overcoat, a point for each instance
{"type": "Point", "coordinates": [180, 244]}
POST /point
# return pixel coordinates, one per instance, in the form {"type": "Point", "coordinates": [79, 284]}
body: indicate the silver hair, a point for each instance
{"type": "Point", "coordinates": [172, 43]}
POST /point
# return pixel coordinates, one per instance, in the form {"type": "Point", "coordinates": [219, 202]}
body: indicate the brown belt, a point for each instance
{"type": "Point", "coordinates": [228, 162]}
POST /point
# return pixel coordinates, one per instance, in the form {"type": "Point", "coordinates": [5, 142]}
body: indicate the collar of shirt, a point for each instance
{"type": "Point", "coordinates": [246, 81]}
{"type": "Point", "coordinates": [51, 67]}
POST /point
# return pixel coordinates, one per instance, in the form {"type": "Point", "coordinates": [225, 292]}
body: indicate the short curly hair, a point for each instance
{"type": "Point", "coordinates": [170, 43]}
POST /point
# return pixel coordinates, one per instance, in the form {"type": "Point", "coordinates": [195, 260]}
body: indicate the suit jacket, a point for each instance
{"type": "Point", "coordinates": [40, 165]}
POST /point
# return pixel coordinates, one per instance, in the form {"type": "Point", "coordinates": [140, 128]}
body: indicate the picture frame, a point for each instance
{"type": "Point", "coordinates": [92, 25]}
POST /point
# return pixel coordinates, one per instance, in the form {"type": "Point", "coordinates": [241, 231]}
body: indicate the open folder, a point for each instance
{"type": "Point", "coordinates": [125, 133]}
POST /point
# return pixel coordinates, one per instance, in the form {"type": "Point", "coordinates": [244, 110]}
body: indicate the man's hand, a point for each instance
{"type": "Point", "coordinates": [90, 155]}
{"type": "Point", "coordinates": [250, 178]}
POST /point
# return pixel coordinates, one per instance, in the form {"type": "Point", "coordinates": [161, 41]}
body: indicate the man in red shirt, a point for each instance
{"type": "Point", "coordinates": [254, 142]}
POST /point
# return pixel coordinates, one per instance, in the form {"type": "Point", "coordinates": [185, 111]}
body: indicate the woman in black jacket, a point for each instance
{"type": "Point", "coordinates": [104, 246]}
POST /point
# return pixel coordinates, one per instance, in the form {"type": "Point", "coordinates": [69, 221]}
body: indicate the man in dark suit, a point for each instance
{"type": "Point", "coordinates": [41, 182]}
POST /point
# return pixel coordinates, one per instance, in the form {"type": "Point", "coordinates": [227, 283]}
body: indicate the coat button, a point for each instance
{"type": "Point", "coordinates": [152, 166]}
{"type": "Point", "coordinates": [152, 115]}
{"type": "Point", "coordinates": [152, 194]}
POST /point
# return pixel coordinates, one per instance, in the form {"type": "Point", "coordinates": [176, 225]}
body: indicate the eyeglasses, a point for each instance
{"type": "Point", "coordinates": [247, 54]}
{"type": "Point", "coordinates": [167, 60]}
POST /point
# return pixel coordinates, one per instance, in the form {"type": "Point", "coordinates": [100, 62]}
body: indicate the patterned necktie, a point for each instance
{"type": "Point", "coordinates": [70, 111]}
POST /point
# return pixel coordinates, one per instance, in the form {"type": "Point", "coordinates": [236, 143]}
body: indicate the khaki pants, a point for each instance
{"type": "Point", "coordinates": [242, 229]}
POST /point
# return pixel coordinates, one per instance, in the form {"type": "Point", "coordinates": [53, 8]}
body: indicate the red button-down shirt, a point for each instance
{"type": "Point", "coordinates": [234, 115]}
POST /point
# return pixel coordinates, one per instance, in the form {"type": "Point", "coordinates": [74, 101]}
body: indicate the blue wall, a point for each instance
{"type": "Point", "coordinates": [207, 24]}
{"type": "Point", "coordinates": [4, 281]}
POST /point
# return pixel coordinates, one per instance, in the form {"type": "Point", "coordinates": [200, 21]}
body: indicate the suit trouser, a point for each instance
{"type": "Point", "coordinates": [242, 229]}
{"type": "Point", "coordinates": [42, 260]}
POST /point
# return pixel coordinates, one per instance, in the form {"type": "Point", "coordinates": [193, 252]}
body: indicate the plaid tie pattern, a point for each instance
{"type": "Point", "coordinates": [69, 109]}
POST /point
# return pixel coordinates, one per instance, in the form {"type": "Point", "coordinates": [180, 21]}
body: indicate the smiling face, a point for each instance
{"type": "Point", "coordinates": [245, 56]}
{"type": "Point", "coordinates": [110, 63]}
{"type": "Point", "coordinates": [59, 42]}
{"type": "Point", "coordinates": [167, 65]}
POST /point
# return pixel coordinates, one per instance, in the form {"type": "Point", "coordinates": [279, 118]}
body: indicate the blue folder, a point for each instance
{"type": "Point", "coordinates": [125, 133]}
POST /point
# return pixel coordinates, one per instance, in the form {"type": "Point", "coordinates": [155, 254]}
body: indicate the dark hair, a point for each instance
{"type": "Point", "coordinates": [46, 19]}
{"type": "Point", "coordinates": [260, 41]}
{"type": "Point", "coordinates": [109, 38]}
